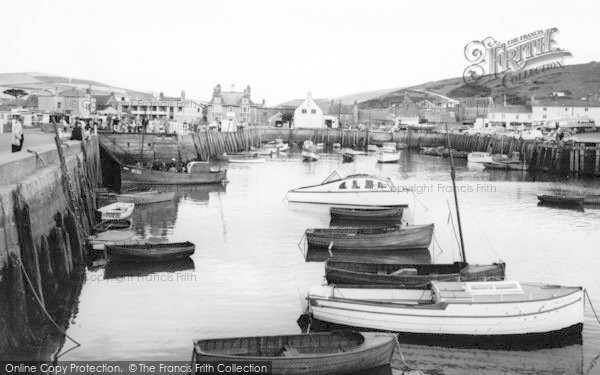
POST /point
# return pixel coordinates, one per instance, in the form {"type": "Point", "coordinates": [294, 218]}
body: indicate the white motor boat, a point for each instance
{"type": "Point", "coordinates": [117, 211]}
{"type": "Point", "coordinates": [387, 157]}
{"type": "Point", "coordinates": [486, 309]}
{"type": "Point", "coordinates": [352, 190]}
{"type": "Point", "coordinates": [389, 147]}
{"type": "Point", "coordinates": [479, 157]}
{"type": "Point", "coordinates": [309, 151]}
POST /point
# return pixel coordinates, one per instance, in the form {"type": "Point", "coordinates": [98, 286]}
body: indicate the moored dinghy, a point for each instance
{"type": "Point", "coordinates": [371, 238]}
{"type": "Point", "coordinates": [151, 252]}
{"type": "Point", "coordinates": [197, 173]}
{"type": "Point", "coordinates": [417, 275]}
{"type": "Point", "coordinates": [116, 211]}
{"type": "Point", "coordinates": [146, 197]}
{"type": "Point", "coordinates": [316, 353]}
{"type": "Point", "coordinates": [366, 215]}
{"type": "Point", "coordinates": [458, 311]}
{"type": "Point", "coordinates": [561, 200]}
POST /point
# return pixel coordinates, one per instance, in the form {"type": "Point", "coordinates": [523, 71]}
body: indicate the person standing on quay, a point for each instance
{"type": "Point", "coordinates": [17, 136]}
{"type": "Point", "coordinates": [76, 134]}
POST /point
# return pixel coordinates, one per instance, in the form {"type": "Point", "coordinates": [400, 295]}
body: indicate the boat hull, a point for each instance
{"type": "Point", "coordinates": [310, 156]}
{"type": "Point", "coordinates": [340, 272]}
{"type": "Point", "coordinates": [376, 351]}
{"type": "Point", "coordinates": [152, 177]}
{"type": "Point", "coordinates": [388, 157]}
{"type": "Point", "coordinates": [458, 318]}
{"type": "Point", "coordinates": [375, 239]}
{"type": "Point", "coordinates": [151, 252]}
{"type": "Point", "coordinates": [479, 157]}
{"type": "Point", "coordinates": [366, 216]}
{"type": "Point", "coordinates": [561, 200]}
{"type": "Point", "coordinates": [363, 198]}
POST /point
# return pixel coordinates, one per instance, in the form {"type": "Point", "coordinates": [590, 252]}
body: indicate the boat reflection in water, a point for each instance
{"type": "Point", "coordinates": [116, 270]}
{"type": "Point", "coordinates": [412, 256]}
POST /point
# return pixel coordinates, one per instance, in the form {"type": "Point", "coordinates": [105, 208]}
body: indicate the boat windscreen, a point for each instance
{"type": "Point", "coordinates": [334, 176]}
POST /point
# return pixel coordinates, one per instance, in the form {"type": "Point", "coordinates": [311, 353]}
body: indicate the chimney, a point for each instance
{"type": "Point", "coordinates": [183, 94]}
{"type": "Point", "coordinates": [161, 96]}
{"type": "Point", "coordinates": [309, 95]}
{"type": "Point", "coordinates": [232, 88]}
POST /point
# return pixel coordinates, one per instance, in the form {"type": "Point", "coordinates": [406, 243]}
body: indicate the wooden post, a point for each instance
{"type": "Point", "coordinates": [597, 166]}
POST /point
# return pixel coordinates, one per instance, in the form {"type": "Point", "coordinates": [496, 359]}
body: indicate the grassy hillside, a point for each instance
{"type": "Point", "coordinates": [576, 81]}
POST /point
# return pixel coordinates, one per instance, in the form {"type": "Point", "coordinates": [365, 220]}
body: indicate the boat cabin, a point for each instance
{"type": "Point", "coordinates": [198, 167]}
{"type": "Point", "coordinates": [357, 183]}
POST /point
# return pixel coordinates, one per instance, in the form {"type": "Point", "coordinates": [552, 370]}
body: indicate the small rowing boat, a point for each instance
{"type": "Point", "coordinates": [417, 275]}
{"type": "Point", "coordinates": [387, 157]}
{"type": "Point", "coordinates": [348, 155]}
{"type": "Point", "coordinates": [107, 225]}
{"type": "Point", "coordinates": [146, 197]}
{"type": "Point", "coordinates": [338, 352]}
{"type": "Point", "coordinates": [371, 238]}
{"type": "Point", "coordinates": [116, 211]}
{"type": "Point", "coordinates": [367, 215]}
{"type": "Point", "coordinates": [561, 200]}
{"type": "Point", "coordinates": [151, 252]}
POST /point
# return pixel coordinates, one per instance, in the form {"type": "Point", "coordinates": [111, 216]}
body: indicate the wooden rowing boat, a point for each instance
{"type": "Point", "coordinates": [197, 173]}
{"type": "Point", "coordinates": [323, 353]}
{"type": "Point", "coordinates": [561, 200]}
{"type": "Point", "coordinates": [371, 238]}
{"type": "Point", "coordinates": [367, 215]}
{"type": "Point", "coordinates": [416, 275]}
{"type": "Point", "coordinates": [149, 252]}
{"type": "Point", "coordinates": [348, 155]}
{"type": "Point", "coordinates": [146, 197]}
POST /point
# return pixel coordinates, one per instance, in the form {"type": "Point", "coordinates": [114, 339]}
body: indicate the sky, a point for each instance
{"type": "Point", "coordinates": [282, 49]}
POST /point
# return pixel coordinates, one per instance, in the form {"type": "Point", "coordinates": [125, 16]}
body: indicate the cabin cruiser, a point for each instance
{"type": "Point", "coordinates": [352, 190]}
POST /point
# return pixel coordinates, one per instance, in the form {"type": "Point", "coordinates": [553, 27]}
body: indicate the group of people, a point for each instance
{"type": "Point", "coordinates": [18, 137]}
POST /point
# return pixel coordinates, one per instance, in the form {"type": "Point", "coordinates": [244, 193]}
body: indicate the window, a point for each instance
{"type": "Point", "coordinates": [342, 185]}
{"type": "Point", "coordinates": [517, 117]}
{"type": "Point", "coordinates": [368, 184]}
{"type": "Point", "coordinates": [544, 108]}
{"type": "Point", "coordinates": [585, 109]}
{"type": "Point", "coordinates": [304, 111]}
{"type": "Point", "coordinates": [566, 109]}
{"type": "Point", "coordinates": [313, 111]}
{"type": "Point", "coordinates": [244, 100]}
{"type": "Point", "coordinates": [58, 105]}
{"type": "Point", "coordinates": [179, 109]}
{"type": "Point", "coordinates": [503, 116]}
{"type": "Point", "coordinates": [544, 116]}
{"type": "Point", "coordinates": [355, 184]}
{"type": "Point", "coordinates": [230, 109]}
{"type": "Point", "coordinates": [244, 109]}
{"type": "Point", "coordinates": [381, 185]}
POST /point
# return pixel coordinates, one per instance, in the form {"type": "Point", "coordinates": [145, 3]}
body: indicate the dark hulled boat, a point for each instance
{"type": "Point", "coordinates": [197, 173]}
{"type": "Point", "coordinates": [418, 275]}
{"type": "Point", "coordinates": [151, 252]}
{"type": "Point", "coordinates": [561, 200]}
{"type": "Point", "coordinates": [371, 238]}
{"type": "Point", "coordinates": [367, 215]}
{"type": "Point", "coordinates": [316, 353]}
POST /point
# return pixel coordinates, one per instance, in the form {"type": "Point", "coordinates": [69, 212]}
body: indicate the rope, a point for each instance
{"type": "Point", "coordinates": [39, 301]}
{"type": "Point", "coordinates": [302, 249]}
{"type": "Point", "coordinates": [591, 305]}
{"type": "Point", "coordinates": [451, 219]}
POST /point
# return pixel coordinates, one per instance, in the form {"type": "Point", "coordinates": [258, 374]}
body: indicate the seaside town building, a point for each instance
{"type": "Point", "coordinates": [233, 106]}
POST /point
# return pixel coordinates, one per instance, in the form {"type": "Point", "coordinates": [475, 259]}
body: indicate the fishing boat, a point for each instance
{"type": "Point", "coordinates": [561, 200]}
{"type": "Point", "coordinates": [151, 252]}
{"type": "Point", "coordinates": [322, 353]}
{"type": "Point", "coordinates": [504, 162]}
{"type": "Point", "coordinates": [309, 151]}
{"type": "Point", "coordinates": [146, 197]}
{"type": "Point", "coordinates": [372, 148]}
{"type": "Point", "coordinates": [592, 200]}
{"type": "Point", "coordinates": [348, 155]}
{"type": "Point", "coordinates": [116, 211]}
{"type": "Point", "coordinates": [106, 225]}
{"type": "Point", "coordinates": [352, 190]}
{"type": "Point", "coordinates": [479, 157]}
{"type": "Point", "coordinates": [197, 173]}
{"type": "Point", "coordinates": [416, 275]}
{"type": "Point", "coordinates": [387, 157]}
{"type": "Point", "coordinates": [456, 310]}
{"type": "Point", "coordinates": [371, 215]}
{"type": "Point", "coordinates": [238, 155]}
{"type": "Point", "coordinates": [386, 238]}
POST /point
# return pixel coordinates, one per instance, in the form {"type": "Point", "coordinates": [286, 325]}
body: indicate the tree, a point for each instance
{"type": "Point", "coordinates": [17, 93]}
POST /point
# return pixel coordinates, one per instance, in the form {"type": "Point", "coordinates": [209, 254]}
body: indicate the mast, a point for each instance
{"type": "Point", "coordinates": [453, 177]}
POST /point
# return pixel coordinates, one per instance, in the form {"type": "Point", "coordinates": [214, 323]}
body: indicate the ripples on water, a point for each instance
{"type": "Point", "coordinates": [248, 275]}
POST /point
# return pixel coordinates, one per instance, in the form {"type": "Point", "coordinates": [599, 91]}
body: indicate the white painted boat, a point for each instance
{"type": "Point", "coordinates": [479, 157]}
{"type": "Point", "coordinates": [487, 309]}
{"type": "Point", "coordinates": [309, 155]}
{"type": "Point", "coordinates": [110, 237]}
{"type": "Point", "coordinates": [389, 147]}
{"type": "Point", "coordinates": [387, 157]}
{"type": "Point", "coordinates": [372, 148]}
{"type": "Point", "coordinates": [277, 145]}
{"type": "Point", "coordinates": [117, 211]}
{"type": "Point", "coordinates": [352, 190]}
{"type": "Point", "coordinates": [146, 197]}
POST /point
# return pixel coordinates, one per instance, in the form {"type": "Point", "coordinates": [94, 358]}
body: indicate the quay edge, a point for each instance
{"type": "Point", "coordinates": [42, 240]}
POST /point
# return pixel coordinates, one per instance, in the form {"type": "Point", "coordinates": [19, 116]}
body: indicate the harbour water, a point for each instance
{"type": "Point", "coordinates": [248, 275]}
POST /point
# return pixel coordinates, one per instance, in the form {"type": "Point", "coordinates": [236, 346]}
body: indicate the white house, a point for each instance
{"type": "Point", "coordinates": [508, 115]}
{"type": "Point", "coordinates": [309, 114]}
{"type": "Point", "coordinates": [544, 110]}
